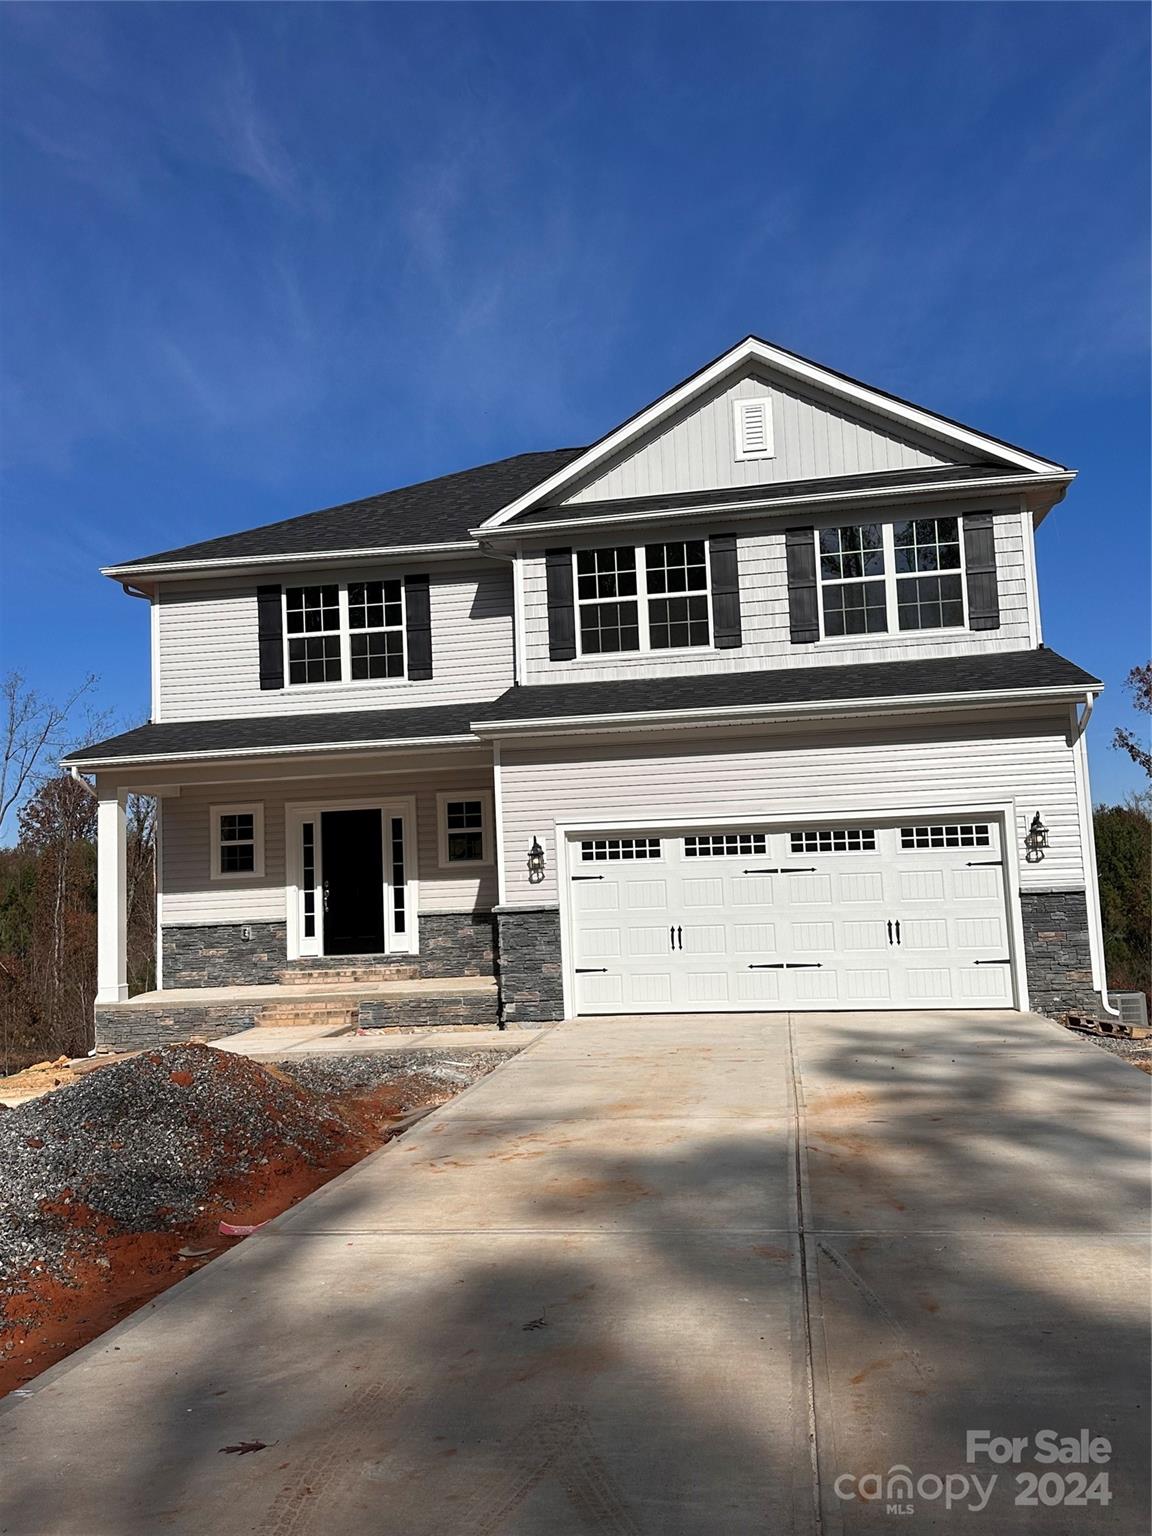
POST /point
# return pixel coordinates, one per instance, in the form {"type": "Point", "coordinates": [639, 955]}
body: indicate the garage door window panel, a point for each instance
{"type": "Point", "coordinates": [948, 835]}
{"type": "Point", "coordinates": [834, 840]}
{"type": "Point", "coordinates": [725, 845]}
{"type": "Point", "coordinates": [615, 850]}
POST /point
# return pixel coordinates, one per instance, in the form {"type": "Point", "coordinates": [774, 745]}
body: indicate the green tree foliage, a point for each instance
{"type": "Point", "coordinates": [1139, 685]}
{"type": "Point", "coordinates": [1124, 859]}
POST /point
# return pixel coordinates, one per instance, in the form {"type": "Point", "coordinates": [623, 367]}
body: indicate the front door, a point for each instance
{"type": "Point", "coordinates": [353, 882]}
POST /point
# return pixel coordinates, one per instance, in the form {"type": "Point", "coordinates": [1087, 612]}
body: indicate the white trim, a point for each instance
{"type": "Point", "coordinates": [271, 562]}
{"type": "Point", "coordinates": [1004, 811]}
{"type": "Point", "coordinates": [498, 826]}
{"type": "Point", "coordinates": [760, 405]}
{"type": "Point", "coordinates": [296, 813]}
{"type": "Point", "coordinates": [111, 899]}
{"type": "Point", "coordinates": [1031, 578]}
{"type": "Point", "coordinates": [487, 819]}
{"type": "Point", "coordinates": [752, 712]}
{"type": "Point", "coordinates": [91, 764]}
{"type": "Point", "coordinates": [158, 876]}
{"type": "Point", "coordinates": [741, 509]}
{"type": "Point", "coordinates": [154, 654]}
{"type": "Point", "coordinates": [253, 808]}
{"type": "Point", "coordinates": [519, 618]}
{"type": "Point", "coordinates": [1088, 857]}
{"type": "Point", "coordinates": [750, 350]}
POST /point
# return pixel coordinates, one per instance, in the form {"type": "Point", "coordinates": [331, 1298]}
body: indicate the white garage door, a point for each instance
{"type": "Point", "coordinates": [863, 915]}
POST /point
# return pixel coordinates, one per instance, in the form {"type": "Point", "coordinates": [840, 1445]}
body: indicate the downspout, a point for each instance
{"type": "Point", "coordinates": [135, 591]}
{"type": "Point", "coordinates": [80, 779]}
{"type": "Point", "coordinates": [1092, 892]}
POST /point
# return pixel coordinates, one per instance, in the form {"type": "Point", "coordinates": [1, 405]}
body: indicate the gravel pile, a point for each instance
{"type": "Point", "coordinates": [139, 1146]}
{"type": "Point", "coordinates": [361, 1073]}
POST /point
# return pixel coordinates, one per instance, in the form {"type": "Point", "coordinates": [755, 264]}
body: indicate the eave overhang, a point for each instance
{"type": "Point", "coordinates": [243, 564]}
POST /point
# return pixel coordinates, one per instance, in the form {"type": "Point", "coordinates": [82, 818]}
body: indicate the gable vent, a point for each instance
{"type": "Point", "coordinates": [753, 423]}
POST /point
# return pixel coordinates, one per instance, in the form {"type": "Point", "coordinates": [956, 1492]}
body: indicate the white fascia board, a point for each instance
{"type": "Point", "coordinates": [954, 489]}
{"type": "Point", "coordinates": [174, 759]}
{"type": "Point", "coordinates": [752, 713]}
{"type": "Point", "coordinates": [221, 567]}
{"type": "Point", "coordinates": [753, 350]}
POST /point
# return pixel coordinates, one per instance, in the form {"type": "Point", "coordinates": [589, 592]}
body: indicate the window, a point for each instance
{"type": "Point", "coordinates": [606, 601]}
{"type": "Point", "coordinates": [376, 626]}
{"type": "Point", "coordinates": [677, 594]}
{"type": "Point", "coordinates": [312, 621]}
{"type": "Point", "coordinates": [614, 849]}
{"type": "Point", "coordinates": [834, 840]}
{"type": "Point", "coordinates": [752, 425]}
{"type": "Point", "coordinates": [721, 844]}
{"type": "Point", "coordinates": [465, 821]}
{"type": "Point", "coordinates": [237, 841]}
{"type": "Point", "coordinates": [345, 630]}
{"type": "Point", "coordinates": [654, 599]}
{"type": "Point", "coordinates": [954, 835]}
{"type": "Point", "coordinates": [877, 578]}
{"type": "Point", "coordinates": [936, 601]}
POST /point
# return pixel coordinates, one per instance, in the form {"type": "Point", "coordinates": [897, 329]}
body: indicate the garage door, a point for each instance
{"type": "Point", "coordinates": [863, 916]}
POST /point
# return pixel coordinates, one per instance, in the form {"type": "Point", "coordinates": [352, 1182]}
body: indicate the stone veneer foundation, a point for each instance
{"type": "Point", "coordinates": [528, 965]}
{"type": "Point", "coordinates": [1057, 952]}
{"type": "Point", "coordinates": [218, 954]}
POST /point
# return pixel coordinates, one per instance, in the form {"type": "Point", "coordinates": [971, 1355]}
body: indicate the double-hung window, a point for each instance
{"type": "Point", "coordinates": [237, 841]}
{"type": "Point", "coordinates": [879, 578]}
{"type": "Point", "coordinates": [339, 630]}
{"type": "Point", "coordinates": [655, 598]}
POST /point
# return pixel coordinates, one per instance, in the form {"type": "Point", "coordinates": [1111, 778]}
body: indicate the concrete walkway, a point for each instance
{"type": "Point", "coordinates": [654, 1277]}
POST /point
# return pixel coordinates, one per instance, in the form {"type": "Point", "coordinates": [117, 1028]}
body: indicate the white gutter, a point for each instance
{"type": "Point", "coordinates": [92, 764]}
{"type": "Point", "coordinates": [269, 562]}
{"type": "Point", "coordinates": [739, 509]}
{"type": "Point", "coordinates": [818, 708]}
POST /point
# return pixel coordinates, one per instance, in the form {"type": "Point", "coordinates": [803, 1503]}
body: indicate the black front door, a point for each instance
{"type": "Point", "coordinates": [353, 882]}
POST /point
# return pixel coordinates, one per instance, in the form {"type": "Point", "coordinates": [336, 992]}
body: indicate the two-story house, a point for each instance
{"type": "Point", "coordinates": [745, 706]}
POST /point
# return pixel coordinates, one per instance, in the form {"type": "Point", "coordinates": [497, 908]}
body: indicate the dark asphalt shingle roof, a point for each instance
{"type": "Point", "coordinates": [178, 738]}
{"type": "Point", "coordinates": [826, 485]}
{"type": "Point", "coordinates": [794, 685]}
{"type": "Point", "coordinates": [437, 511]}
{"type": "Point", "coordinates": [797, 685]}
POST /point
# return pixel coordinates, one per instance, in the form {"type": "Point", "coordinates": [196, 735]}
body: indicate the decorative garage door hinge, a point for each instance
{"type": "Point", "coordinates": [591, 970]}
{"type": "Point", "coordinates": [793, 965]}
{"type": "Point", "coordinates": [991, 962]}
{"type": "Point", "coordinates": [587, 877]}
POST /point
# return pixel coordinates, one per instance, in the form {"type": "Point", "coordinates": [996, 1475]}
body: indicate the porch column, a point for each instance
{"type": "Point", "coordinates": [111, 899]}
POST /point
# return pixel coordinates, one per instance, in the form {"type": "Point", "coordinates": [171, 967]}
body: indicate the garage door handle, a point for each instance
{"type": "Point", "coordinates": [897, 930]}
{"type": "Point", "coordinates": [809, 869]}
{"type": "Point", "coordinates": [680, 938]}
{"type": "Point", "coordinates": [587, 877]}
{"type": "Point", "coordinates": [672, 937]}
{"type": "Point", "coordinates": [985, 864]}
{"type": "Point", "coordinates": [889, 930]}
{"type": "Point", "coordinates": [793, 965]}
{"type": "Point", "coordinates": [591, 970]}
{"type": "Point", "coordinates": [991, 962]}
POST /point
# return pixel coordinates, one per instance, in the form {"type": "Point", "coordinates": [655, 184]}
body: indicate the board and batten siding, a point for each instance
{"type": "Point", "coordinates": [190, 895]}
{"type": "Point", "coordinates": [209, 663]}
{"type": "Point", "coordinates": [764, 612]}
{"type": "Point", "coordinates": [795, 775]}
{"type": "Point", "coordinates": [813, 437]}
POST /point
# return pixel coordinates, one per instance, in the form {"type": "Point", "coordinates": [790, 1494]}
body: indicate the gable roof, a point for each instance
{"type": "Point", "coordinates": [790, 365]}
{"type": "Point", "coordinates": [431, 513]}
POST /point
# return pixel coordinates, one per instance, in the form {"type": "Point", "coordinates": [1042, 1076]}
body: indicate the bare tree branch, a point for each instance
{"type": "Point", "coordinates": [31, 732]}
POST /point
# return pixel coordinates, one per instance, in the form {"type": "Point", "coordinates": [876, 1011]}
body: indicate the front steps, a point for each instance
{"type": "Point", "coordinates": [331, 1005]}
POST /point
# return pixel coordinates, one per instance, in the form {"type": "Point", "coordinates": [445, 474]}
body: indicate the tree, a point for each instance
{"type": "Point", "coordinates": [1139, 685]}
{"type": "Point", "coordinates": [31, 732]}
{"type": "Point", "coordinates": [1123, 858]}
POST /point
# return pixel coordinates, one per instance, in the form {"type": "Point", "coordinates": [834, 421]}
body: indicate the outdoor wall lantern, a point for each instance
{"type": "Point", "coordinates": [1036, 840]}
{"type": "Point", "coordinates": [535, 862]}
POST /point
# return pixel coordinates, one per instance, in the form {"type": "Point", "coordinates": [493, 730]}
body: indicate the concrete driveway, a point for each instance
{"type": "Point", "coordinates": [656, 1277]}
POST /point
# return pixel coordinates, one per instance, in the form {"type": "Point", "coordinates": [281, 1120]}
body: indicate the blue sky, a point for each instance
{"type": "Point", "coordinates": [258, 259]}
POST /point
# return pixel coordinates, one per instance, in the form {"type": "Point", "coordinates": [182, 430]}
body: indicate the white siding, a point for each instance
{"type": "Point", "coordinates": [764, 615]}
{"type": "Point", "coordinates": [209, 660]}
{"type": "Point", "coordinates": [814, 437]}
{"type": "Point", "coordinates": [190, 896]}
{"type": "Point", "coordinates": [779, 773]}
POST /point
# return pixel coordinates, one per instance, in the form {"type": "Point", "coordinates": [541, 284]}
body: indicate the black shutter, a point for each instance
{"type": "Point", "coordinates": [561, 611]}
{"type": "Point", "coordinates": [803, 610]}
{"type": "Point", "coordinates": [270, 635]}
{"type": "Point", "coordinates": [980, 561]}
{"type": "Point", "coordinates": [418, 623]}
{"type": "Point", "coordinates": [725, 590]}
